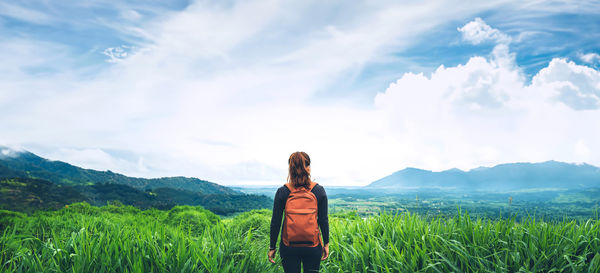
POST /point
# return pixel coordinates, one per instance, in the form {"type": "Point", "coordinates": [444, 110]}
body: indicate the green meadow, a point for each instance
{"type": "Point", "coordinates": [117, 238]}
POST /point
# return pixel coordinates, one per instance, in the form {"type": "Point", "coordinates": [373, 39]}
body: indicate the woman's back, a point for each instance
{"type": "Point", "coordinates": [280, 199]}
{"type": "Point", "coordinates": [299, 244]}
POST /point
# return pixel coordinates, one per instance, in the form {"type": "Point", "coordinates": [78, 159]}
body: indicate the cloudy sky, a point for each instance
{"type": "Point", "coordinates": [226, 90]}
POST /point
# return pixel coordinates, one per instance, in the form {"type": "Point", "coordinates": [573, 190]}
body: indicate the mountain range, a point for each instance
{"type": "Point", "coordinates": [29, 182]}
{"type": "Point", "coordinates": [26, 164]}
{"type": "Point", "coordinates": [503, 177]}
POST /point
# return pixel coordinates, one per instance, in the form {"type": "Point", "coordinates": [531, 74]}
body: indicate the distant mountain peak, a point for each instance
{"type": "Point", "coordinates": [412, 169]}
{"type": "Point", "coordinates": [455, 170]}
{"type": "Point", "coordinates": [506, 176]}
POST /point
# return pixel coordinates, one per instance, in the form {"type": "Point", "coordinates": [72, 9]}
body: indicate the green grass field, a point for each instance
{"type": "Point", "coordinates": [114, 238]}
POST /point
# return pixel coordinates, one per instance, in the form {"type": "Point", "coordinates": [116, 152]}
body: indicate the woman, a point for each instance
{"type": "Point", "coordinates": [303, 200]}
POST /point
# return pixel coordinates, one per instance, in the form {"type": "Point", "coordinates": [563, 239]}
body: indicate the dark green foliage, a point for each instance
{"type": "Point", "coordinates": [6, 172]}
{"type": "Point", "coordinates": [217, 203]}
{"type": "Point", "coordinates": [29, 195]}
{"type": "Point", "coordinates": [101, 194]}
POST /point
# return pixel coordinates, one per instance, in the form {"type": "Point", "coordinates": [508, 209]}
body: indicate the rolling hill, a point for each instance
{"type": "Point", "coordinates": [29, 195]}
{"type": "Point", "coordinates": [26, 164]}
{"type": "Point", "coordinates": [29, 183]}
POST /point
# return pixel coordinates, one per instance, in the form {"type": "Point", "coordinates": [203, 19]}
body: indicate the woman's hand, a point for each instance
{"type": "Point", "coordinates": [272, 256]}
{"type": "Point", "coordinates": [325, 252]}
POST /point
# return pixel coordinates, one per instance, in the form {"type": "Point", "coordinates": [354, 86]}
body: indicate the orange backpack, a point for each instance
{"type": "Point", "coordinates": [300, 227]}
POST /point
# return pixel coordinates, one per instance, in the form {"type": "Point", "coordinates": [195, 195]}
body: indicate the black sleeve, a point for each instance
{"type": "Point", "coordinates": [278, 206]}
{"type": "Point", "coordinates": [323, 219]}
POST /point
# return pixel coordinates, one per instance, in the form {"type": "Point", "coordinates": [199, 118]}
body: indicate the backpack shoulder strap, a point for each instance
{"type": "Point", "coordinates": [310, 187]}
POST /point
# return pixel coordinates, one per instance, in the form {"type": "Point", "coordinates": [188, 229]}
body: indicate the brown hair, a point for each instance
{"type": "Point", "coordinates": [298, 174]}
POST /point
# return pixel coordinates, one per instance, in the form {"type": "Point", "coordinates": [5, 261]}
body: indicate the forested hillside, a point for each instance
{"type": "Point", "coordinates": [26, 164]}
{"type": "Point", "coordinates": [29, 183]}
{"type": "Point", "coordinates": [29, 195]}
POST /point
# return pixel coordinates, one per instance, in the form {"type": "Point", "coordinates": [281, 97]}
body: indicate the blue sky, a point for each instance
{"type": "Point", "coordinates": [87, 30]}
{"type": "Point", "coordinates": [226, 90]}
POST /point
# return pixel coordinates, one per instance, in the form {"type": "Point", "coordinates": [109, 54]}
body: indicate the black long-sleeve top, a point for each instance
{"type": "Point", "coordinates": [278, 207]}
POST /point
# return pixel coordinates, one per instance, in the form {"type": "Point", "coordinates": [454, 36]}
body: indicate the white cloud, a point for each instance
{"type": "Point", "coordinates": [10, 151]}
{"type": "Point", "coordinates": [229, 74]}
{"type": "Point", "coordinates": [477, 32]}
{"type": "Point", "coordinates": [484, 113]}
{"type": "Point", "coordinates": [575, 85]}
{"type": "Point", "coordinates": [479, 85]}
{"type": "Point", "coordinates": [117, 54]}
{"type": "Point", "coordinates": [226, 93]}
{"type": "Point", "coordinates": [131, 14]}
{"type": "Point", "coordinates": [6, 152]}
{"type": "Point", "coordinates": [97, 159]}
{"type": "Point", "coordinates": [589, 57]}
{"type": "Point", "coordinates": [582, 151]}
